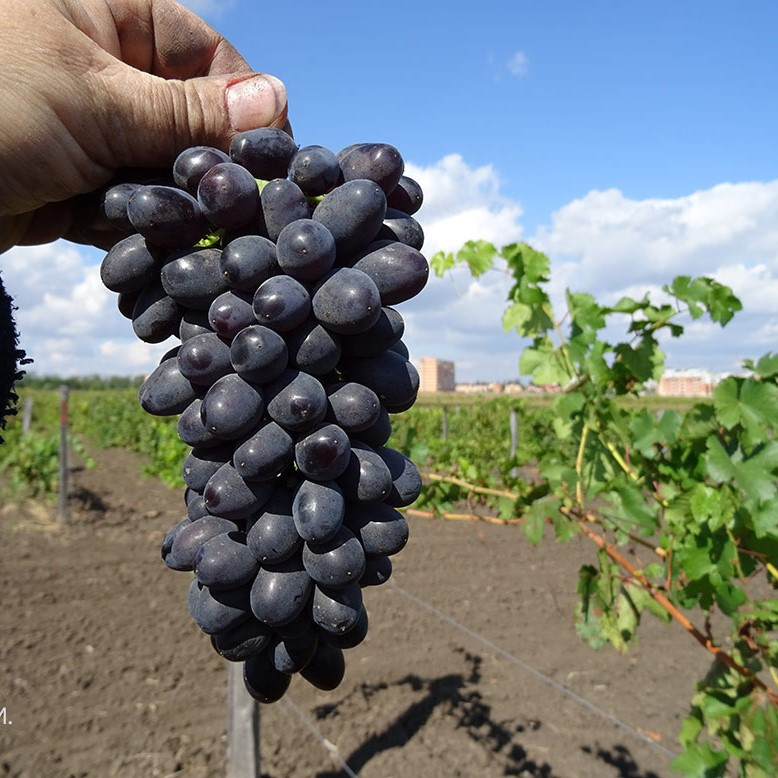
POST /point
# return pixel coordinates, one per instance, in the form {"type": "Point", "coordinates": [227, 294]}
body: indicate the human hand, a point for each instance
{"type": "Point", "coordinates": [89, 86]}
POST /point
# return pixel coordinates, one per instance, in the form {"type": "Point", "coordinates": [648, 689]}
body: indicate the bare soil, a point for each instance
{"type": "Point", "coordinates": [103, 673]}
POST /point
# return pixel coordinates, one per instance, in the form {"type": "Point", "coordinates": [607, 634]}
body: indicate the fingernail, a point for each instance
{"type": "Point", "coordinates": [255, 102]}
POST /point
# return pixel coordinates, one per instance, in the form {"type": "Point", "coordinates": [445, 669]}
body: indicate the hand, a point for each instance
{"type": "Point", "coordinates": [88, 86]}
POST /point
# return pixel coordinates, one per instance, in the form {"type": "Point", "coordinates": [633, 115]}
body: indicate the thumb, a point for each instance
{"type": "Point", "coordinates": [153, 118]}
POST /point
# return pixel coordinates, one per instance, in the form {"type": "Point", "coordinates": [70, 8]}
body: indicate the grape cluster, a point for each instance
{"type": "Point", "coordinates": [277, 267]}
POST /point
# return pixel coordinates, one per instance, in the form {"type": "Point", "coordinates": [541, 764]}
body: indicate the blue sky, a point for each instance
{"type": "Point", "coordinates": [631, 141]}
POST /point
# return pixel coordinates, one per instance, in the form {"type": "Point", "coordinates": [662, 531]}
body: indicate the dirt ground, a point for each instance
{"type": "Point", "coordinates": [103, 673]}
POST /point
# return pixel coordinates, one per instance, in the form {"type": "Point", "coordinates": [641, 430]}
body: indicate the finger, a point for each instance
{"type": "Point", "coordinates": [164, 38]}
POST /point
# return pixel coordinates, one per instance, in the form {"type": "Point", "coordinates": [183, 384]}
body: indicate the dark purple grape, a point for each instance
{"type": "Point", "coordinates": [230, 313]}
{"type": "Point", "coordinates": [170, 537]}
{"type": "Point", "coordinates": [268, 452]}
{"type": "Point", "coordinates": [401, 407]}
{"type": "Point", "coordinates": [155, 316]}
{"type": "Point", "coordinates": [281, 592]}
{"type": "Point", "coordinates": [406, 480]}
{"type": "Point", "coordinates": [195, 509]}
{"type": "Point", "coordinates": [272, 537]}
{"type": "Point", "coordinates": [263, 682]}
{"type": "Point", "coordinates": [352, 406]}
{"type": "Point", "coordinates": [193, 278]}
{"type": "Point", "coordinates": [219, 610]}
{"type": "Point", "coordinates": [191, 429]}
{"type": "Point", "coordinates": [191, 537]}
{"type": "Point", "coordinates": [282, 203]}
{"type": "Point", "coordinates": [201, 463]}
{"type": "Point", "coordinates": [130, 265]}
{"type": "Point", "coordinates": [305, 250]}
{"type": "Point", "coordinates": [125, 302]}
{"type": "Point", "coordinates": [113, 205]}
{"type": "Point", "coordinates": [258, 354]}
{"type": "Point", "coordinates": [401, 349]}
{"type": "Point", "coordinates": [292, 654]}
{"type": "Point", "coordinates": [367, 477]}
{"type": "Point", "coordinates": [193, 163]}
{"type": "Point", "coordinates": [351, 638]}
{"type": "Point", "coordinates": [247, 261]}
{"type": "Point", "coordinates": [380, 337]}
{"type": "Point", "coordinates": [229, 496]}
{"type": "Point", "coordinates": [323, 455]}
{"type": "Point", "coordinates": [377, 162]}
{"type": "Point", "coordinates": [240, 642]}
{"type": "Point", "coordinates": [379, 432]}
{"type": "Point", "coordinates": [167, 216]}
{"type": "Point", "coordinates": [224, 562]}
{"type": "Point", "coordinates": [318, 510]}
{"type": "Point", "coordinates": [394, 379]}
{"type": "Point", "coordinates": [265, 152]}
{"type": "Point", "coordinates": [378, 570]}
{"type": "Point", "coordinates": [204, 359]}
{"type": "Point", "coordinates": [327, 667]}
{"type": "Point", "coordinates": [400, 272]}
{"type": "Point", "coordinates": [166, 391]}
{"type": "Point", "coordinates": [281, 303]}
{"type": "Point", "coordinates": [315, 170]}
{"type": "Point", "coordinates": [346, 301]}
{"type": "Point", "coordinates": [406, 196]}
{"type": "Point", "coordinates": [313, 349]}
{"type": "Point", "coordinates": [381, 529]}
{"type": "Point", "coordinates": [193, 323]}
{"type": "Point", "coordinates": [232, 407]}
{"type": "Point", "coordinates": [337, 563]}
{"type": "Point", "coordinates": [228, 196]}
{"type": "Point", "coordinates": [337, 610]}
{"type": "Point", "coordinates": [399, 226]}
{"type": "Point", "coordinates": [353, 212]}
{"type": "Point", "coordinates": [296, 401]}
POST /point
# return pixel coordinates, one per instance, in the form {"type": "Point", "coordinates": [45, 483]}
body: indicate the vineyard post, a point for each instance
{"type": "Point", "coordinates": [26, 414]}
{"type": "Point", "coordinates": [62, 514]}
{"type": "Point", "coordinates": [514, 425]}
{"type": "Point", "coordinates": [242, 727]}
{"type": "Point", "coordinates": [444, 424]}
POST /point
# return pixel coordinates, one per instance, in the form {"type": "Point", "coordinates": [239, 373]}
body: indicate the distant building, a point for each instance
{"type": "Point", "coordinates": [436, 375]}
{"type": "Point", "coordinates": [544, 389]}
{"type": "Point", "coordinates": [686, 383]}
{"type": "Point", "coordinates": [512, 387]}
{"type": "Point", "coordinates": [478, 388]}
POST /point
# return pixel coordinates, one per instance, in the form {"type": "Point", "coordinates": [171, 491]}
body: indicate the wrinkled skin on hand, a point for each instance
{"type": "Point", "coordinates": [90, 86]}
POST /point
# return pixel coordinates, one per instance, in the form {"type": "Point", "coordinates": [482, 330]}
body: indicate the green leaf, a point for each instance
{"type": "Point", "coordinates": [628, 305]}
{"type": "Point", "coordinates": [544, 363]}
{"type": "Point", "coordinates": [749, 402]}
{"type": "Point", "coordinates": [523, 260]}
{"type": "Point", "coordinates": [700, 761]}
{"type": "Point", "coordinates": [630, 504]}
{"type": "Point", "coordinates": [441, 262]}
{"type": "Point", "coordinates": [516, 316]}
{"type": "Point", "coordinates": [478, 255]}
{"type": "Point", "coordinates": [754, 475]}
{"type": "Point", "coordinates": [766, 367]}
{"type": "Point", "coordinates": [764, 519]}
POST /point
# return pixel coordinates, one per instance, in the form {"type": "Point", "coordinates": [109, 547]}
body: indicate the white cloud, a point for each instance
{"type": "Point", "coordinates": [610, 245]}
{"type": "Point", "coordinates": [67, 319]}
{"type": "Point", "coordinates": [458, 317]}
{"type": "Point", "coordinates": [518, 64]}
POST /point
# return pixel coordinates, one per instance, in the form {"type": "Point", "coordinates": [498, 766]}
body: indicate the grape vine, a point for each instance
{"type": "Point", "coordinates": [692, 494]}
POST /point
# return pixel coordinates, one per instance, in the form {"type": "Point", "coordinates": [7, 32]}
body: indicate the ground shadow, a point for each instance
{"type": "Point", "coordinates": [457, 695]}
{"type": "Point", "coordinates": [86, 499]}
{"type": "Point", "coordinates": [620, 757]}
